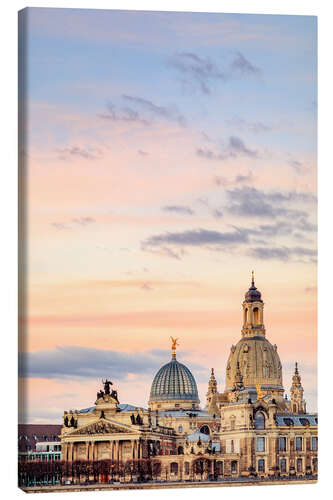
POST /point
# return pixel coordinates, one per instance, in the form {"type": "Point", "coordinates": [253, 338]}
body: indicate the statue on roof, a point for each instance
{"type": "Point", "coordinates": [107, 384]}
{"type": "Point", "coordinates": [174, 343]}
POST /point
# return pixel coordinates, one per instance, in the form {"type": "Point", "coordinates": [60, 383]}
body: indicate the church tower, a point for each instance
{"type": "Point", "coordinates": [253, 312]}
{"type": "Point", "coordinates": [254, 362]}
{"type": "Point", "coordinates": [212, 388]}
{"type": "Point", "coordinates": [298, 404]}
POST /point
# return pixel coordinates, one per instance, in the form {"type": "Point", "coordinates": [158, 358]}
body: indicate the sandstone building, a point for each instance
{"type": "Point", "coordinates": [251, 429]}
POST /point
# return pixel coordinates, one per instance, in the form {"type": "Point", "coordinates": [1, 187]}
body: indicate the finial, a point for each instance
{"type": "Point", "coordinates": [296, 367]}
{"type": "Point", "coordinates": [173, 347]}
{"type": "Point", "coordinates": [212, 371]}
{"type": "Point", "coordinates": [252, 278]}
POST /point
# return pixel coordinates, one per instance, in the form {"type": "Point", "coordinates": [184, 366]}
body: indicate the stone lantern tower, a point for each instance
{"type": "Point", "coordinates": [212, 388]}
{"type": "Point", "coordinates": [298, 404]}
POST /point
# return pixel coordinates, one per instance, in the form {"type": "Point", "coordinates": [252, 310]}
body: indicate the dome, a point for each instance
{"type": "Point", "coordinates": [258, 362]}
{"type": "Point", "coordinates": [253, 294]}
{"type": "Point", "coordinates": [174, 386]}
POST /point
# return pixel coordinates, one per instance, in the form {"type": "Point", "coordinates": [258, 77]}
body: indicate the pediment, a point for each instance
{"type": "Point", "coordinates": [101, 426]}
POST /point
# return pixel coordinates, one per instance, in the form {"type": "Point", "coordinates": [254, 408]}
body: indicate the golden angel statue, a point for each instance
{"type": "Point", "coordinates": [174, 343]}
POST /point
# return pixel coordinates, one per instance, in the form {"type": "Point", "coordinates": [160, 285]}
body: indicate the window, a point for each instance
{"type": "Point", "coordinates": [288, 421]}
{"type": "Point", "coordinates": [315, 464]}
{"type": "Point", "coordinates": [232, 424]}
{"type": "Point", "coordinates": [205, 429]}
{"type": "Point", "coordinates": [314, 441]}
{"type": "Point", "coordinates": [187, 467]}
{"type": "Point", "coordinates": [299, 465]}
{"type": "Point", "coordinates": [232, 446]}
{"type": "Point", "coordinates": [180, 428]}
{"type": "Point", "coordinates": [260, 444]}
{"type": "Point", "coordinates": [219, 468]}
{"type": "Point", "coordinates": [266, 371]}
{"type": "Point", "coordinates": [304, 421]}
{"type": "Point", "coordinates": [283, 465]}
{"type": "Point", "coordinates": [261, 465]}
{"type": "Point", "coordinates": [174, 468]}
{"type": "Point", "coordinates": [259, 420]}
{"type": "Point", "coordinates": [177, 405]}
{"type": "Point", "coordinates": [256, 316]}
{"type": "Point", "coordinates": [283, 444]}
{"type": "Point", "coordinates": [234, 467]}
{"type": "Point", "coordinates": [298, 443]}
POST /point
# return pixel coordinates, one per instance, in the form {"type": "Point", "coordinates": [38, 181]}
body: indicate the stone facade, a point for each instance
{"type": "Point", "coordinates": [249, 430]}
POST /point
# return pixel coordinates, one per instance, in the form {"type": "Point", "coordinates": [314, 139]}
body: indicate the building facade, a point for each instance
{"type": "Point", "coordinates": [250, 430]}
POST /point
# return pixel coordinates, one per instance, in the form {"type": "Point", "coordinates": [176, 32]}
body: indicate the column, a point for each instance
{"type": "Point", "coordinates": [64, 448]}
{"type": "Point", "coordinates": [117, 450]}
{"type": "Point", "coordinates": [133, 449]}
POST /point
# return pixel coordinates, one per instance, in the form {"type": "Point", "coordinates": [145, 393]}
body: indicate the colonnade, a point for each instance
{"type": "Point", "coordinates": [70, 450]}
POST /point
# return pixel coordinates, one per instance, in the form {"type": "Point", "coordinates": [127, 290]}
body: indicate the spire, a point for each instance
{"type": "Point", "coordinates": [296, 393]}
{"type": "Point", "coordinates": [212, 388]}
{"type": "Point", "coordinates": [252, 283]}
{"type": "Point", "coordinates": [212, 384]}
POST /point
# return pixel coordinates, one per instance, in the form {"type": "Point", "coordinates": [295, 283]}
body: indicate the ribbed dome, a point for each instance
{"type": "Point", "coordinates": [174, 382]}
{"type": "Point", "coordinates": [258, 362]}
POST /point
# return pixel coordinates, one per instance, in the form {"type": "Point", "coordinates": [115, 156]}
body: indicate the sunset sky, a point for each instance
{"type": "Point", "coordinates": [167, 155]}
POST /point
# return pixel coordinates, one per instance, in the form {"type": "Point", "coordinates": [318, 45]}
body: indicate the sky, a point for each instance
{"type": "Point", "coordinates": [166, 155]}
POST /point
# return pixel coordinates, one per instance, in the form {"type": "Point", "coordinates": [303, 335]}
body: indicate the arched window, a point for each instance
{"type": "Point", "coordinates": [205, 430]}
{"type": "Point", "coordinates": [256, 316]}
{"type": "Point", "coordinates": [180, 450]}
{"type": "Point", "coordinates": [283, 465]}
{"type": "Point", "coordinates": [259, 420]}
{"type": "Point", "coordinates": [245, 316]}
{"type": "Point", "coordinates": [187, 467]}
{"type": "Point", "coordinates": [174, 468]}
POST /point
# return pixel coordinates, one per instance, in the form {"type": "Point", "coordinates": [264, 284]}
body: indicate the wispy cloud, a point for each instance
{"type": "Point", "coordinates": [243, 65]}
{"type": "Point", "coordinates": [73, 362]}
{"type": "Point", "coordinates": [256, 127]}
{"type": "Point", "coordinates": [124, 114]}
{"type": "Point", "coordinates": [146, 287]}
{"type": "Point", "coordinates": [84, 221]}
{"type": "Point", "coordinates": [249, 202]}
{"type": "Point", "coordinates": [201, 72]}
{"type": "Point", "coordinates": [167, 112]}
{"type": "Point", "coordinates": [283, 253]}
{"type": "Point", "coordinates": [234, 148]}
{"type": "Point", "coordinates": [89, 153]}
{"type": "Point", "coordinates": [299, 167]}
{"type": "Point", "coordinates": [198, 237]}
{"type": "Point", "coordinates": [78, 221]}
{"type": "Point", "coordinates": [238, 179]}
{"type": "Point", "coordinates": [179, 209]}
